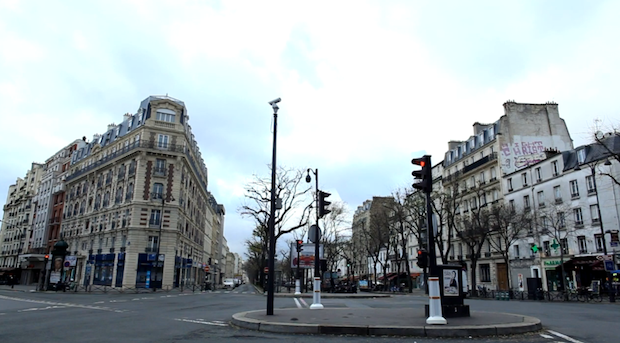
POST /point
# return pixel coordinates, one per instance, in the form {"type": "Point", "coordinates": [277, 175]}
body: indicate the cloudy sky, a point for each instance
{"type": "Point", "coordinates": [365, 86]}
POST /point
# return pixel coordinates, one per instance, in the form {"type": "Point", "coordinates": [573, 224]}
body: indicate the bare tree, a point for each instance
{"type": "Point", "coordinates": [608, 146]}
{"type": "Point", "coordinates": [508, 225]}
{"type": "Point", "coordinates": [334, 235]}
{"type": "Point", "coordinates": [295, 205]}
{"type": "Point", "coordinates": [553, 223]}
{"type": "Point", "coordinates": [401, 224]}
{"type": "Point", "coordinates": [445, 207]}
{"type": "Point", "coordinates": [472, 228]}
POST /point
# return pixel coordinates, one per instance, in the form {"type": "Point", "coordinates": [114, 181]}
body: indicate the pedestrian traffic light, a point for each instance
{"type": "Point", "coordinates": [323, 203]}
{"type": "Point", "coordinates": [300, 244]}
{"type": "Point", "coordinates": [424, 174]}
{"type": "Point", "coordinates": [422, 258]}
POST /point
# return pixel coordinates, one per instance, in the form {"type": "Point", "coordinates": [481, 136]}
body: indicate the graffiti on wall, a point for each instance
{"type": "Point", "coordinates": [521, 154]}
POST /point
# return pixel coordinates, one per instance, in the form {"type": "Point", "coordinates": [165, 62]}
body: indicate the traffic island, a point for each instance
{"type": "Point", "coordinates": [381, 321]}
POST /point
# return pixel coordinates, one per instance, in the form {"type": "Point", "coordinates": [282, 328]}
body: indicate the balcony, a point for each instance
{"type": "Point", "coordinates": [486, 159]}
{"type": "Point", "coordinates": [150, 249]}
{"type": "Point", "coordinates": [159, 172]}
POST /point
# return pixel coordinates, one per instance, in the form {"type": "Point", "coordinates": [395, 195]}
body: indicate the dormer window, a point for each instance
{"type": "Point", "coordinates": [581, 155]}
{"type": "Point", "coordinates": [165, 115]}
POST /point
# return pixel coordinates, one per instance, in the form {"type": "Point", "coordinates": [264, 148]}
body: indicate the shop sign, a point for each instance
{"type": "Point", "coordinates": [551, 263]}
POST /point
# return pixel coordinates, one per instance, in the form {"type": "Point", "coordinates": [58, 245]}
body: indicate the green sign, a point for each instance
{"type": "Point", "coordinates": [552, 263]}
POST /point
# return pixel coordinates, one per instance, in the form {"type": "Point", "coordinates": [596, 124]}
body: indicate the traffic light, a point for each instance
{"type": "Point", "coordinates": [422, 258]}
{"type": "Point", "coordinates": [424, 174]}
{"type": "Point", "coordinates": [323, 203]}
{"type": "Point", "coordinates": [47, 257]}
{"type": "Point", "coordinates": [300, 244]}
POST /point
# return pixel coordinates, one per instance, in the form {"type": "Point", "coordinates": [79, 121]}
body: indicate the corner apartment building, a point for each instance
{"type": "Point", "coordinates": [137, 209]}
{"type": "Point", "coordinates": [575, 206]}
{"type": "Point", "coordinates": [473, 169]}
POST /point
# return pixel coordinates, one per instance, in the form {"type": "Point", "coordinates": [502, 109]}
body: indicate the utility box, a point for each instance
{"type": "Point", "coordinates": [451, 292]}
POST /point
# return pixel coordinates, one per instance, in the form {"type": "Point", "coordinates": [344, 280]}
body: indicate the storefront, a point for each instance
{"type": "Point", "coordinates": [149, 271]}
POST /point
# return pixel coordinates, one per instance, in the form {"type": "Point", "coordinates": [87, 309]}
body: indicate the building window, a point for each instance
{"type": "Point", "coordinates": [554, 168]}
{"type": "Point", "coordinates": [561, 220]}
{"type": "Point", "coordinates": [598, 239]}
{"type": "Point", "coordinates": [129, 194]}
{"type": "Point", "coordinates": [578, 216]}
{"type": "Point", "coordinates": [541, 199]}
{"type": "Point", "coordinates": [511, 205]}
{"type": "Point", "coordinates": [517, 252]}
{"type": "Point", "coordinates": [153, 243]}
{"type": "Point", "coordinates": [160, 167]}
{"type": "Point", "coordinates": [557, 192]}
{"type": "Point", "coordinates": [583, 245]}
{"type": "Point", "coordinates": [119, 195]}
{"type": "Point", "coordinates": [485, 272]}
{"type": "Point", "coordinates": [581, 156]}
{"type": "Point", "coordinates": [495, 195]}
{"type": "Point", "coordinates": [564, 245]}
{"type": "Point", "coordinates": [538, 174]}
{"type": "Point", "coordinates": [574, 189]}
{"type": "Point", "coordinates": [482, 178]}
{"type": "Point", "coordinates": [106, 199]}
{"type": "Point", "coordinates": [509, 184]}
{"type": "Point", "coordinates": [155, 217]}
{"type": "Point", "coordinates": [590, 184]}
{"type": "Point", "coordinates": [165, 115]}
{"type": "Point", "coordinates": [158, 190]}
{"type": "Point", "coordinates": [594, 214]}
{"type": "Point", "coordinates": [162, 141]}
{"type": "Point", "coordinates": [526, 202]}
{"type": "Point", "coordinates": [524, 179]}
{"type": "Point", "coordinates": [547, 248]}
{"type": "Point", "coordinates": [473, 204]}
{"type": "Point", "coordinates": [472, 182]}
{"type": "Point", "coordinates": [483, 199]}
{"type": "Point", "coordinates": [493, 174]}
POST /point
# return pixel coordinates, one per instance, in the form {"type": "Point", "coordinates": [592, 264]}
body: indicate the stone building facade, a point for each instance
{"type": "Point", "coordinates": [137, 211]}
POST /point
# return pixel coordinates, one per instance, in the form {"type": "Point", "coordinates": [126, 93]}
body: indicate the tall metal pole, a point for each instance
{"type": "Point", "coordinates": [317, 271]}
{"type": "Point", "coordinates": [612, 293]}
{"type": "Point", "coordinates": [272, 214]}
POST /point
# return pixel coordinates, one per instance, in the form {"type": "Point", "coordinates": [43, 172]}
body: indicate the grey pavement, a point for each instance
{"type": "Point", "coordinates": [383, 321]}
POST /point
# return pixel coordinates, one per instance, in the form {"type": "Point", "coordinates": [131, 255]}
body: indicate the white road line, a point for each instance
{"type": "Point", "coordinates": [62, 304]}
{"type": "Point", "coordinates": [99, 302]}
{"type": "Point", "coordinates": [297, 303]}
{"type": "Point", "coordinates": [546, 336]}
{"type": "Point", "coordinates": [201, 322]}
{"type": "Point", "coordinates": [304, 302]}
{"type": "Point", "coordinates": [564, 336]}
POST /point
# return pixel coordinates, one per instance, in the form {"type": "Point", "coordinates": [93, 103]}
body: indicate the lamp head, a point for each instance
{"type": "Point", "coordinates": [308, 179]}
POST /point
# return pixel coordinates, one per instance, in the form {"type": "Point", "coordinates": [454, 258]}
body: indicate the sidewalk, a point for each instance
{"type": "Point", "coordinates": [98, 290]}
{"type": "Point", "coordinates": [382, 321]}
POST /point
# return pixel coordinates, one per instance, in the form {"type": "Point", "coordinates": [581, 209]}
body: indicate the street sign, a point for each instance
{"type": "Point", "coordinates": [266, 270]}
{"type": "Point", "coordinates": [609, 265]}
{"type": "Point", "coordinates": [314, 234]}
{"type": "Point", "coordinates": [207, 268]}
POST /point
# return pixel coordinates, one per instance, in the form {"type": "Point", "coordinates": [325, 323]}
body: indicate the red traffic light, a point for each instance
{"type": "Point", "coordinates": [47, 257]}
{"type": "Point", "coordinates": [300, 242]}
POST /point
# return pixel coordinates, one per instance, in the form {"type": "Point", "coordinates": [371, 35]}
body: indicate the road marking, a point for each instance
{"type": "Point", "coordinates": [297, 303]}
{"type": "Point", "coordinates": [62, 304]}
{"type": "Point", "coordinates": [99, 302]}
{"type": "Point", "coordinates": [546, 336]}
{"type": "Point", "coordinates": [564, 336]}
{"type": "Point", "coordinates": [40, 308]}
{"type": "Point", "coordinates": [216, 323]}
{"type": "Point", "coordinates": [118, 301]}
{"type": "Point", "coordinates": [303, 301]}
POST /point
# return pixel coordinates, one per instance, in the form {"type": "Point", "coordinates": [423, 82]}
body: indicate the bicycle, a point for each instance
{"type": "Point", "coordinates": [589, 295]}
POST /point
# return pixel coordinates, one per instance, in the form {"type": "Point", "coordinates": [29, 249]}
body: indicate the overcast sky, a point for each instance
{"type": "Point", "coordinates": [365, 86]}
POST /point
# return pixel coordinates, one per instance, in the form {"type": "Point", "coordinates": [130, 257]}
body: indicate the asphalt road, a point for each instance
{"type": "Point", "coordinates": [198, 317]}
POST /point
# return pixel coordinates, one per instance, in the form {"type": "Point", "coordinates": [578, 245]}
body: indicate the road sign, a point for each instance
{"type": "Point", "coordinates": [207, 268]}
{"type": "Point", "coordinates": [609, 265]}
{"type": "Point", "coordinates": [266, 270]}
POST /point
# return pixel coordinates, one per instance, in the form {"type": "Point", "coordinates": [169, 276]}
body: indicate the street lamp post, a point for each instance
{"type": "Point", "coordinates": [272, 213]}
{"type": "Point", "coordinates": [316, 304]}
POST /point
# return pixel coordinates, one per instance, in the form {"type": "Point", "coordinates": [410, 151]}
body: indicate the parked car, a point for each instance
{"type": "Point", "coordinates": [229, 283]}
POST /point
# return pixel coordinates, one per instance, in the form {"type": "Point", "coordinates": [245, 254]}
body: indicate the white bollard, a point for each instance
{"type": "Point", "coordinates": [297, 287]}
{"type": "Point", "coordinates": [317, 295]}
{"type": "Point", "coordinates": [434, 306]}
